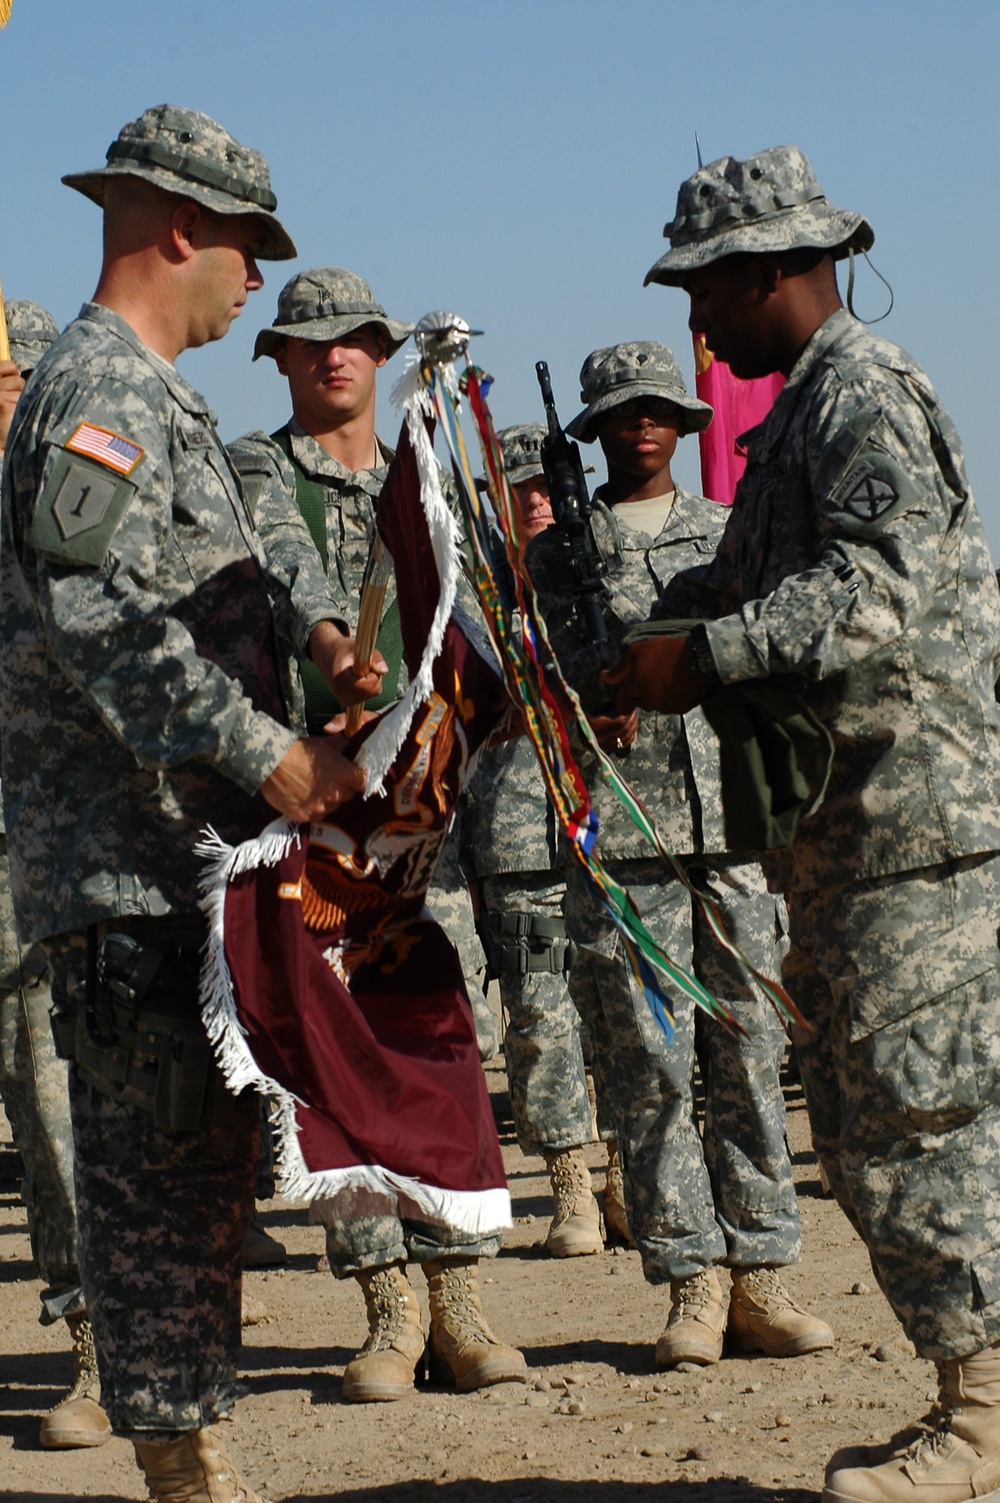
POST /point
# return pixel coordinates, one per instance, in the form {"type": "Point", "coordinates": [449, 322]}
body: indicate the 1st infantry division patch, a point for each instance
{"type": "Point", "coordinates": [113, 449]}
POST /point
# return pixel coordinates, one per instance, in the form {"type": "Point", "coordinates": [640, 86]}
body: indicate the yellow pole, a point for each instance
{"type": "Point", "coordinates": [369, 620]}
{"type": "Point", "coordinates": [4, 341]}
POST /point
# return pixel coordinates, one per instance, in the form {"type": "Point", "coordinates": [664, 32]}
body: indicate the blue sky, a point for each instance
{"type": "Point", "coordinates": [517, 161]}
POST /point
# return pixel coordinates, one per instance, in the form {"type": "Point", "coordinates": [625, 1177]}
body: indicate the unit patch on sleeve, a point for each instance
{"type": "Point", "coordinates": [78, 509]}
{"type": "Point", "coordinates": [114, 450]}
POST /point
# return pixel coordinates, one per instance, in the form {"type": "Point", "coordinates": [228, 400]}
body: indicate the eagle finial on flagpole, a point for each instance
{"type": "Point", "coordinates": [5, 11]}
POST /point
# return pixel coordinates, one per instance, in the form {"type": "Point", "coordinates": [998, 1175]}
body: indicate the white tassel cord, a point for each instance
{"type": "Point", "coordinates": [379, 752]}
{"type": "Point", "coordinates": [363, 1190]}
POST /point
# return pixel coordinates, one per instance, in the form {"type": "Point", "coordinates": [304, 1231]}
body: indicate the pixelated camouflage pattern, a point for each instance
{"type": "Point", "coordinates": [521, 449]}
{"type": "Point", "coordinates": [674, 762]}
{"type": "Point", "coordinates": [543, 1042]}
{"type": "Point", "coordinates": [905, 1115]}
{"type": "Point", "coordinates": [376, 1241]}
{"type": "Point", "coordinates": [768, 202]}
{"type": "Point", "coordinates": [162, 1218]}
{"type": "Point", "coordinates": [854, 557]}
{"type": "Point", "coordinates": [328, 302]}
{"type": "Point", "coordinates": [35, 1092]}
{"type": "Point", "coordinates": [725, 1195]}
{"type": "Point", "coordinates": [640, 368]}
{"type": "Point", "coordinates": [185, 152]}
{"type": "Point", "coordinates": [351, 496]}
{"type": "Point", "coordinates": [109, 774]}
{"type": "Point", "coordinates": [30, 331]}
{"type": "Point", "coordinates": [728, 1197]}
{"type": "Point", "coordinates": [450, 901]}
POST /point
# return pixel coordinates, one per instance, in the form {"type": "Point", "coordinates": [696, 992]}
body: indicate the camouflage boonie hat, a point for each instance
{"type": "Point", "coordinates": [641, 368]}
{"type": "Point", "coordinates": [30, 331]}
{"type": "Point", "coordinates": [328, 302]}
{"type": "Point", "coordinates": [769, 202]}
{"type": "Point", "coordinates": [185, 152]}
{"type": "Point", "coordinates": [521, 451]}
{"type": "Point", "coordinates": [521, 448]}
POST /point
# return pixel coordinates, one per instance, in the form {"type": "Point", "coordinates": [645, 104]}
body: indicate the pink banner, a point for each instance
{"type": "Point", "coordinates": [739, 405]}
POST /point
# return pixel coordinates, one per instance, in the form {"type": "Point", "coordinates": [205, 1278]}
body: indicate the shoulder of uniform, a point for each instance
{"type": "Point", "coordinates": [256, 453]}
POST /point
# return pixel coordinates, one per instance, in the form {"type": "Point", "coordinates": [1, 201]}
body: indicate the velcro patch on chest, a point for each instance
{"type": "Point", "coordinates": [111, 449]}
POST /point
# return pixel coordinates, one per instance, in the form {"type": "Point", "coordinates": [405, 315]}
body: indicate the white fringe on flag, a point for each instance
{"type": "Point", "coordinates": [379, 752]}
{"type": "Point", "coordinates": [362, 1190]}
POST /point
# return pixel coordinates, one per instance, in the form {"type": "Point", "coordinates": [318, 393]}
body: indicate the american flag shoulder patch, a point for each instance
{"type": "Point", "coordinates": [112, 449]}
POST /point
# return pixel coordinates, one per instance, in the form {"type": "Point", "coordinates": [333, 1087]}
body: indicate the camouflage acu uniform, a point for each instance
{"type": "Point", "coordinates": [140, 702]}
{"type": "Point", "coordinates": [34, 1088]}
{"type": "Point", "coordinates": [326, 303]}
{"type": "Point", "coordinates": [694, 1200]}
{"type": "Point", "coordinates": [33, 1080]}
{"type": "Point", "coordinates": [855, 558]}
{"type": "Point", "coordinates": [512, 843]}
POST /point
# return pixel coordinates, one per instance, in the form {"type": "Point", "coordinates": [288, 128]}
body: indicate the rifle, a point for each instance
{"type": "Point", "coordinates": [571, 508]}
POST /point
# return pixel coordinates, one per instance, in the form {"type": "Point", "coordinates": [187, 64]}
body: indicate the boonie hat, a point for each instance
{"type": "Point", "coordinates": [521, 450]}
{"type": "Point", "coordinates": [641, 368]}
{"type": "Point", "coordinates": [30, 331]}
{"type": "Point", "coordinates": [185, 152]}
{"type": "Point", "coordinates": [328, 302]}
{"type": "Point", "coordinates": [769, 202]}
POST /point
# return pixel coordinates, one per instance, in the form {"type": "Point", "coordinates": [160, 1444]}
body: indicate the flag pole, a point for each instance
{"type": "Point", "coordinates": [4, 341]}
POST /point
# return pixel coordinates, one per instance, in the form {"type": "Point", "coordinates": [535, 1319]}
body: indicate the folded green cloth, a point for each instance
{"type": "Point", "coordinates": [775, 755]}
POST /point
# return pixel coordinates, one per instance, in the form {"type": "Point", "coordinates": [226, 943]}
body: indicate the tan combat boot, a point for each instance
{"type": "Point", "coordinates": [78, 1420]}
{"type": "Point", "coordinates": [576, 1224]}
{"type": "Point", "coordinates": [875, 1453]}
{"type": "Point", "coordinates": [197, 1468]}
{"type": "Point", "coordinates": [615, 1215]}
{"type": "Point", "coordinates": [763, 1317]}
{"type": "Point", "coordinates": [385, 1367]}
{"type": "Point", "coordinates": [957, 1460]}
{"type": "Point", "coordinates": [463, 1349]}
{"type": "Point", "coordinates": [697, 1321]}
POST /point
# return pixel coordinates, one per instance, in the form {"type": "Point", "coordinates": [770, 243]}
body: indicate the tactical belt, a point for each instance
{"type": "Point", "coordinates": [139, 1038]}
{"type": "Point", "coordinates": [524, 943]}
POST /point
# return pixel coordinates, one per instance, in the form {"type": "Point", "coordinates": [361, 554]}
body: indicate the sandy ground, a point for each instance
{"type": "Point", "coordinates": [596, 1422]}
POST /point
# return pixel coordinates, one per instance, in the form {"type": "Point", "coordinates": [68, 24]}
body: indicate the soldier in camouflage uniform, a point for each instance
{"type": "Point", "coordinates": [514, 850]}
{"type": "Point", "coordinates": [696, 1201]}
{"type": "Point", "coordinates": [329, 338]}
{"type": "Point", "coordinates": [140, 700]}
{"type": "Point", "coordinates": [855, 559]}
{"type": "Point", "coordinates": [32, 1078]}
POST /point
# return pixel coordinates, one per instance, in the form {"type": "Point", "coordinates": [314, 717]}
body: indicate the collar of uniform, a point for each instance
{"type": "Point", "coordinates": [679, 523]}
{"type": "Point", "coordinates": [315, 461]}
{"type": "Point", "coordinates": [770, 432]}
{"type": "Point", "coordinates": [183, 393]}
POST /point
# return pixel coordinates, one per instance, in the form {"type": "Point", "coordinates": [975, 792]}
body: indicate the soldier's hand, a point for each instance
{"type": "Point", "coordinates": [312, 778]}
{"type": "Point", "coordinates": [615, 733]}
{"type": "Point", "coordinates": [333, 654]}
{"type": "Point", "coordinates": [11, 387]}
{"type": "Point", "coordinates": [658, 674]}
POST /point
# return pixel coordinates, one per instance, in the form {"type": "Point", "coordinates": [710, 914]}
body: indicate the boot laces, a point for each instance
{"type": "Point", "coordinates": [386, 1315]}
{"type": "Point", "coordinates": [764, 1286]}
{"type": "Point", "coordinates": [936, 1442]}
{"type": "Point", "coordinates": [696, 1295]}
{"type": "Point", "coordinates": [86, 1383]}
{"type": "Point", "coordinates": [569, 1185]}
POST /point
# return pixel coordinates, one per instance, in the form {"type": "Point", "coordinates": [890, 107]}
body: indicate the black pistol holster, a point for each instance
{"type": "Point", "coordinates": [139, 1037]}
